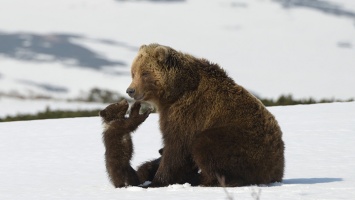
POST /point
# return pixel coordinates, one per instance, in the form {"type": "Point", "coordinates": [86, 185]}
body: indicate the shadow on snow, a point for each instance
{"type": "Point", "coordinates": [319, 5]}
{"type": "Point", "coordinates": [45, 86]}
{"type": "Point", "coordinates": [311, 180]}
{"type": "Point", "coordinates": [64, 48]}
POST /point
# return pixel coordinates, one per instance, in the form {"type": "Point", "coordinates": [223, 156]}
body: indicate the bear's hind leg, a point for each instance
{"type": "Point", "coordinates": [214, 153]}
{"type": "Point", "coordinates": [131, 177]}
{"type": "Point", "coordinates": [147, 170]}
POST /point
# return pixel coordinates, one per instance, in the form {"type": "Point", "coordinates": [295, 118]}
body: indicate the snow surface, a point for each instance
{"type": "Point", "coordinates": [61, 48]}
{"type": "Point", "coordinates": [13, 106]}
{"type": "Point", "coordinates": [64, 159]}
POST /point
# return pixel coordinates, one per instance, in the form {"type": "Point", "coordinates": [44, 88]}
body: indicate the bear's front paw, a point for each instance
{"type": "Point", "coordinates": [157, 183]}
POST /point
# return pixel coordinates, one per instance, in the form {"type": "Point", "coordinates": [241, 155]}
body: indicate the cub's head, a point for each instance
{"type": "Point", "coordinates": [114, 111]}
{"type": "Point", "coordinates": [160, 75]}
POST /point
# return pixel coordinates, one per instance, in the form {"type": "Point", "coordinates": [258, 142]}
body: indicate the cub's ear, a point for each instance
{"type": "Point", "coordinates": [102, 113]}
{"type": "Point", "coordinates": [161, 53]}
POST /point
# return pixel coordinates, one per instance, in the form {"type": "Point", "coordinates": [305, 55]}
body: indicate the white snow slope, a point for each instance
{"type": "Point", "coordinates": [62, 48]}
{"type": "Point", "coordinates": [63, 159]}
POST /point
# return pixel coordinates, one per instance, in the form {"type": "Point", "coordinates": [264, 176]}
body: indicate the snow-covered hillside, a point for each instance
{"type": "Point", "coordinates": [272, 47]}
{"type": "Point", "coordinates": [63, 159]}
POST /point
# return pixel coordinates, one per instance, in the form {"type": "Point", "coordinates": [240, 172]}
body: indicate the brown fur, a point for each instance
{"type": "Point", "coordinates": [118, 142]}
{"type": "Point", "coordinates": [208, 122]}
{"type": "Point", "coordinates": [147, 170]}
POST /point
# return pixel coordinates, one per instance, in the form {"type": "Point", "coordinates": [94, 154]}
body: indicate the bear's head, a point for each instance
{"type": "Point", "coordinates": [161, 75]}
{"type": "Point", "coordinates": [115, 111]}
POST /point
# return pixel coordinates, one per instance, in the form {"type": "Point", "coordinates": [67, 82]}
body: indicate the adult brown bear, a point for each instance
{"type": "Point", "coordinates": [208, 122]}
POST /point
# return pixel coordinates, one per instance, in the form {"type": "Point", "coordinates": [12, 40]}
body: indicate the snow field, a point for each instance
{"type": "Point", "coordinates": [63, 159]}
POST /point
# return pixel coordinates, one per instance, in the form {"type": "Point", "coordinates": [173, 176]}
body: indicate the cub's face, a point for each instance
{"type": "Point", "coordinates": [146, 79]}
{"type": "Point", "coordinates": [114, 111]}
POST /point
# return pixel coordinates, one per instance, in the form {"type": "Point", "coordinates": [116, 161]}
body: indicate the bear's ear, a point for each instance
{"type": "Point", "coordinates": [161, 53]}
{"type": "Point", "coordinates": [142, 47]}
{"type": "Point", "coordinates": [166, 56]}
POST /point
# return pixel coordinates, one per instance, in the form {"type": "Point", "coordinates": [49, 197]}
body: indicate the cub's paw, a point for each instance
{"type": "Point", "coordinates": [134, 114]}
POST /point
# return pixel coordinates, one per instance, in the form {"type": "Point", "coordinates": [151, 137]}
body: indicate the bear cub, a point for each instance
{"type": "Point", "coordinates": [118, 141]}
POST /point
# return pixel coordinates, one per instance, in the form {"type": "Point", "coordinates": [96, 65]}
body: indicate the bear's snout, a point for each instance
{"type": "Point", "coordinates": [130, 92]}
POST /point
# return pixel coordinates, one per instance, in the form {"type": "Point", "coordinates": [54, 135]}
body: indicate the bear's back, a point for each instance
{"type": "Point", "coordinates": [217, 102]}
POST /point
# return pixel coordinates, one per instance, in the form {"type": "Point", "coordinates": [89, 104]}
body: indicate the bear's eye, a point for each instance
{"type": "Point", "coordinates": [144, 74]}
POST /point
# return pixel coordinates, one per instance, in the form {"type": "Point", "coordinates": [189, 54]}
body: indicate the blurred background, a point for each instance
{"type": "Point", "coordinates": [70, 58]}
